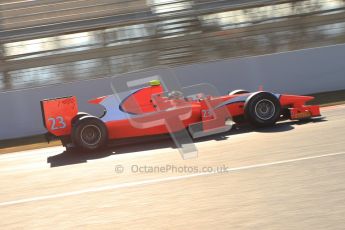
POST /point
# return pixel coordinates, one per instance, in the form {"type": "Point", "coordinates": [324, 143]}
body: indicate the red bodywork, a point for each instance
{"type": "Point", "coordinates": [148, 112]}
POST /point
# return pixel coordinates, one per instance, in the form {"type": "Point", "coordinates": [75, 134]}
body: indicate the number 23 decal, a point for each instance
{"type": "Point", "coordinates": [57, 123]}
{"type": "Point", "coordinates": [206, 113]}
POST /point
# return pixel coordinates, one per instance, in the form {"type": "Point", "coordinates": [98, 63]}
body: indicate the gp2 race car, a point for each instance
{"type": "Point", "coordinates": [148, 111]}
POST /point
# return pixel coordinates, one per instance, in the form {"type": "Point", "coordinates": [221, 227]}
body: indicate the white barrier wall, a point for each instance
{"type": "Point", "coordinates": [300, 72]}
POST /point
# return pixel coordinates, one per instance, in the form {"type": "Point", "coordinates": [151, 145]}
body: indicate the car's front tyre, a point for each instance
{"type": "Point", "coordinates": [262, 109]}
{"type": "Point", "coordinates": [238, 92]}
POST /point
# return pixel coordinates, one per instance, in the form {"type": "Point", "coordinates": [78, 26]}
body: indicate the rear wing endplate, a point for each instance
{"type": "Point", "coordinates": [58, 113]}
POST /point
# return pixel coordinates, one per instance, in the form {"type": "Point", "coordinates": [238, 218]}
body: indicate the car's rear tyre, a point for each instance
{"type": "Point", "coordinates": [89, 133]}
{"type": "Point", "coordinates": [262, 109]}
{"type": "Point", "coordinates": [78, 116]}
{"type": "Point", "coordinates": [238, 91]}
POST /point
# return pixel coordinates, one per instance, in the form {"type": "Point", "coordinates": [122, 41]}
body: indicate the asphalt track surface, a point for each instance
{"type": "Point", "coordinates": [290, 176]}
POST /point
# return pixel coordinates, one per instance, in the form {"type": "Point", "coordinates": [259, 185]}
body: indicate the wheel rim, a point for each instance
{"type": "Point", "coordinates": [91, 135]}
{"type": "Point", "coordinates": [265, 109]}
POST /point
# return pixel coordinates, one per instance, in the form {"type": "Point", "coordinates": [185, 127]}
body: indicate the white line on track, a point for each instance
{"type": "Point", "coordinates": [155, 181]}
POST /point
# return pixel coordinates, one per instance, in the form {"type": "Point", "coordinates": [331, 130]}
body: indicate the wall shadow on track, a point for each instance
{"type": "Point", "coordinates": [163, 141]}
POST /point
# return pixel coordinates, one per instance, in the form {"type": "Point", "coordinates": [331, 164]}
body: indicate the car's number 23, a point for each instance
{"type": "Point", "coordinates": [206, 113]}
{"type": "Point", "coordinates": [57, 123]}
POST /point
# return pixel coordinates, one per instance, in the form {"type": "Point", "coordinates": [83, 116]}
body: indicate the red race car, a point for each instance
{"type": "Point", "coordinates": [149, 111]}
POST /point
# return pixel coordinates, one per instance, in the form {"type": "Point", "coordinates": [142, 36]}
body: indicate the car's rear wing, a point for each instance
{"type": "Point", "coordinates": [58, 114]}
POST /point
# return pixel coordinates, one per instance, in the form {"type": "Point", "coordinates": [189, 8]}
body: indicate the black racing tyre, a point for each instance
{"type": "Point", "coordinates": [262, 109]}
{"type": "Point", "coordinates": [238, 91]}
{"type": "Point", "coordinates": [78, 116]}
{"type": "Point", "coordinates": [89, 133]}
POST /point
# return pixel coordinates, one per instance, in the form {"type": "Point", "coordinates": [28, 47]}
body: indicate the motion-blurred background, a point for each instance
{"type": "Point", "coordinates": [288, 177]}
{"type": "Point", "coordinates": [52, 41]}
